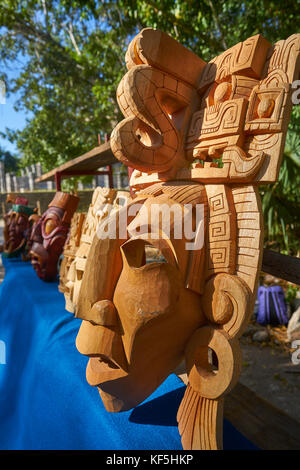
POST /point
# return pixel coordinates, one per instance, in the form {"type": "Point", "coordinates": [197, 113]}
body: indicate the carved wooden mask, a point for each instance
{"type": "Point", "coordinates": [17, 226]}
{"type": "Point", "coordinates": [195, 133]}
{"type": "Point", "coordinates": [100, 207]}
{"type": "Point", "coordinates": [49, 234]}
{"type": "Point", "coordinates": [69, 253]}
{"type": "Point", "coordinates": [128, 306]}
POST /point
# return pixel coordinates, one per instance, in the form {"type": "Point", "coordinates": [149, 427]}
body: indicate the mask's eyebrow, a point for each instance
{"type": "Point", "coordinates": [51, 216]}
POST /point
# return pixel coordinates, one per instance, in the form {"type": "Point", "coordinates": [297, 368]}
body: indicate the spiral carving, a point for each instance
{"type": "Point", "coordinates": [226, 302]}
{"type": "Point", "coordinates": [156, 109]}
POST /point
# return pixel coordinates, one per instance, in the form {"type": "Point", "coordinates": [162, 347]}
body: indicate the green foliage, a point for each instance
{"type": "Point", "coordinates": [281, 201]}
{"type": "Point", "coordinates": [291, 293]}
{"type": "Point", "coordinates": [11, 163]}
{"type": "Point", "coordinates": [71, 184]}
{"type": "Point", "coordinates": [72, 59]}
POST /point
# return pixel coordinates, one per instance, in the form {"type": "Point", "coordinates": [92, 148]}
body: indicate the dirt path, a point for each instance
{"type": "Point", "coordinates": [268, 370]}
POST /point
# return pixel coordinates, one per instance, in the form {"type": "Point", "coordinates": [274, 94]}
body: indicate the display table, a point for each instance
{"type": "Point", "coordinates": [45, 401]}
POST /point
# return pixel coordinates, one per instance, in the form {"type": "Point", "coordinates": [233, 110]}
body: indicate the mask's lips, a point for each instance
{"type": "Point", "coordinates": [102, 369]}
{"type": "Point", "coordinates": [110, 363]}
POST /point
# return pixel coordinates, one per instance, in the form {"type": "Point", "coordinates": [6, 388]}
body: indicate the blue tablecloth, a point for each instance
{"type": "Point", "coordinates": [45, 401]}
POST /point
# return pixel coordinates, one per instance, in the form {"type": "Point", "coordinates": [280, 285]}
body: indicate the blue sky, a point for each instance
{"type": "Point", "coordinates": [8, 116]}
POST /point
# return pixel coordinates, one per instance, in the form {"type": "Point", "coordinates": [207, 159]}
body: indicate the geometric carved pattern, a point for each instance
{"type": "Point", "coordinates": [219, 229]}
{"type": "Point", "coordinates": [216, 203]}
{"type": "Point", "coordinates": [221, 255]}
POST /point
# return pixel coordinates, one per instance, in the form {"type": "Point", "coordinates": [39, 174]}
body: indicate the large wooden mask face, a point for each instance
{"type": "Point", "coordinates": [131, 335]}
{"type": "Point", "coordinates": [49, 234]}
{"type": "Point", "coordinates": [193, 131]}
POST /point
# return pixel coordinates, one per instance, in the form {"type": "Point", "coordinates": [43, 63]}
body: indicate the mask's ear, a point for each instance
{"type": "Point", "coordinates": [213, 362]}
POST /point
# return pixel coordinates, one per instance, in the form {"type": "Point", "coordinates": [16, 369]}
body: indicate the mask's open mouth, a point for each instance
{"type": "Point", "coordinates": [102, 369]}
{"type": "Point", "coordinates": [106, 360]}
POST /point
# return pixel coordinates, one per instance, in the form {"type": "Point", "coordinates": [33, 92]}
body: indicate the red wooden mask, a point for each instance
{"type": "Point", "coordinates": [49, 234]}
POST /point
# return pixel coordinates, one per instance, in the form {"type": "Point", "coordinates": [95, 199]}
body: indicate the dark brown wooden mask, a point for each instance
{"type": "Point", "coordinates": [49, 234]}
{"type": "Point", "coordinates": [17, 228]}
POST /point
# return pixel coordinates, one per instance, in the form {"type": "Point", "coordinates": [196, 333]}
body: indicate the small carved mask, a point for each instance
{"type": "Point", "coordinates": [49, 234]}
{"type": "Point", "coordinates": [17, 227]}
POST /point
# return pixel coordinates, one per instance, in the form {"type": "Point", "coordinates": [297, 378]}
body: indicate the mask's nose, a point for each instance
{"type": "Point", "coordinates": [99, 335]}
{"type": "Point", "coordinates": [12, 219]}
{"type": "Point", "coordinates": [102, 313]}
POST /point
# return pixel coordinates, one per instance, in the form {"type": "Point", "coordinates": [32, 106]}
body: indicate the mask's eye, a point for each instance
{"type": "Point", "coordinates": [50, 225]}
{"type": "Point", "coordinates": [121, 201]}
{"type": "Point", "coordinates": [153, 255]}
{"type": "Point", "coordinates": [138, 253]}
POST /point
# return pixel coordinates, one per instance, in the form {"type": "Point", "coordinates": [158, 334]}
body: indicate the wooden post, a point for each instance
{"type": "Point", "coordinates": [110, 176]}
{"type": "Point", "coordinates": [58, 181]}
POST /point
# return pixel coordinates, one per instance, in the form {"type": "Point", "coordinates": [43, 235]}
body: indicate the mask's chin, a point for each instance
{"type": "Point", "coordinates": [39, 271]}
{"type": "Point", "coordinates": [36, 265]}
{"type": "Point", "coordinates": [113, 404]}
{"type": "Point", "coordinates": [118, 389]}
